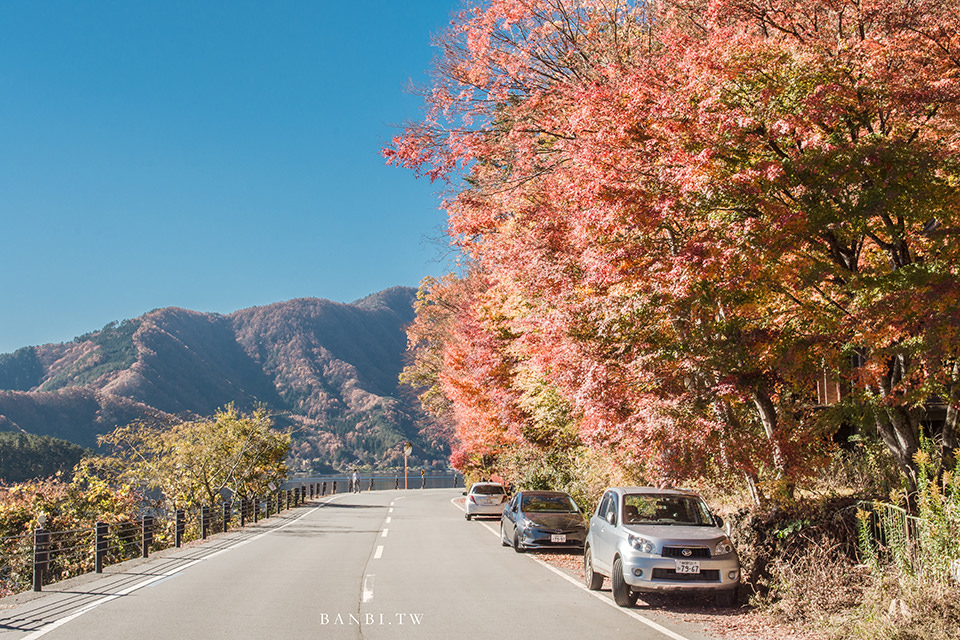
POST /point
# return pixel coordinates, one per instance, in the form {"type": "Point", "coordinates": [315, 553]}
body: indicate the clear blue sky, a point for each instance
{"type": "Point", "coordinates": [207, 155]}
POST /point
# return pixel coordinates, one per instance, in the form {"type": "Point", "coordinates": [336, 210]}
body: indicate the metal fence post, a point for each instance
{"type": "Point", "coordinates": [396, 482]}
{"type": "Point", "coordinates": [101, 547]}
{"type": "Point", "coordinates": [179, 528]}
{"type": "Point", "coordinates": [41, 555]}
{"type": "Point", "coordinates": [146, 531]}
{"type": "Point", "coordinates": [371, 483]}
{"type": "Point", "coordinates": [334, 487]}
{"type": "Point", "coordinates": [204, 521]}
{"type": "Point", "coordinates": [243, 512]}
{"type": "Point", "coordinates": [289, 497]}
{"type": "Point", "coordinates": [226, 516]}
{"type": "Point", "coordinates": [323, 488]}
{"type": "Point", "coordinates": [256, 509]}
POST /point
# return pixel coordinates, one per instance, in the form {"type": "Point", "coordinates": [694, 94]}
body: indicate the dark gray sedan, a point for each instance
{"type": "Point", "coordinates": [542, 520]}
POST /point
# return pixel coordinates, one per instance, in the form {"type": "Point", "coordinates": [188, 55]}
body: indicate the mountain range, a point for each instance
{"type": "Point", "coordinates": [328, 371]}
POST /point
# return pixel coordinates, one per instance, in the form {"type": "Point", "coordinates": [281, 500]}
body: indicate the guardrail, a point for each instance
{"type": "Point", "coordinates": [32, 560]}
{"type": "Point", "coordinates": [42, 557]}
{"type": "Point", "coordinates": [384, 481]}
{"type": "Point", "coordinates": [891, 535]}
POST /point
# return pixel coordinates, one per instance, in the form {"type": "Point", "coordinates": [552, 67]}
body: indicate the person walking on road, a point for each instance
{"type": "Point", "coordinates": [356, 481]}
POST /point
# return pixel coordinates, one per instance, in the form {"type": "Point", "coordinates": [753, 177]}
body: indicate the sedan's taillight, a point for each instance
{"type": "Point", "coordinates": [473, 499]}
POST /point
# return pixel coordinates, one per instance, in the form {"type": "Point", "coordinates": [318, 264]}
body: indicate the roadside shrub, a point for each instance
{"type": "Point", "coordinates": [915, 593]}
{"type": "Point", "coordinates": [864, 468]}
{"type": "Point", "coordinates": [582, 472]}
{"type": "Point", "coordinates": [814, 583]}
{"type": "Point", "coordinates": [800, 562]}
{"type": "Point", "coordinates": [71, 508]}
{"type": "Point", "coordinates": [939, 512]}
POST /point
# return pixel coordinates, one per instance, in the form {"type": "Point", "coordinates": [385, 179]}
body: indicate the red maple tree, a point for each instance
{"type": "Point", "coordinates": [683, 210]}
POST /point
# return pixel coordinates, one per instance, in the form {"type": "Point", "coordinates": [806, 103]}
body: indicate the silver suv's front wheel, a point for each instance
{"type": "Point", "coordinates": [622, 594]}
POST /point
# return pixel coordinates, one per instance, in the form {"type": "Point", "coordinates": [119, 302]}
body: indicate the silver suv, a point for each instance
{"type": "Point", "coordinates": [650, 540]}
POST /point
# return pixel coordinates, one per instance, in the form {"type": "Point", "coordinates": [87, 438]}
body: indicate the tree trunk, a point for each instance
{"type": "Point", "coordinates": [900, 431]}
{"type": "Point", "coordinates": [899, 426]}
{"type": "Point", "coordinates": [753, 489]}
{"type": "Point", "coordinates": [768, 416]}
{"type": "Point", "coordinates": [951, 441]}
{"type": "Point", "coordinates": [725, 413]}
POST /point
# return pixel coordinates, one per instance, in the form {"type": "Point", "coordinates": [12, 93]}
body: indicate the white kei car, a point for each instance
{"type": "Point", "coordinates": [485, 499]}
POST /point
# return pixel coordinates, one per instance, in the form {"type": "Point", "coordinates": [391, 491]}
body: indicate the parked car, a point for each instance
{"type": "Point", "coordinates": [658, 540]}
{"type": "Point", "coordinates": [542, 520]}
{"type": "Point", "coordinates": [485, 499]}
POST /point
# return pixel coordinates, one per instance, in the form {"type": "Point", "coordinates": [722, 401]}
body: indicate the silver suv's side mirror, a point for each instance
{"type": "Point", "coordinates": [612, 517]}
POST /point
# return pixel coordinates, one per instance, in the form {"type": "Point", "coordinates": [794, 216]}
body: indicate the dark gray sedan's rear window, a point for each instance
{"type": "Point", "coordinates": [488, 489]}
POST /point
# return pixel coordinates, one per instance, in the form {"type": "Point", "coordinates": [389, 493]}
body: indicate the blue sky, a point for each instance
{"type": "Point", "coordinates": [207, 155]}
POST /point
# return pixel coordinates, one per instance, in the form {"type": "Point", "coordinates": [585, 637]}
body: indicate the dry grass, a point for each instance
{"type": "Point", "coordinates": [904, 608]}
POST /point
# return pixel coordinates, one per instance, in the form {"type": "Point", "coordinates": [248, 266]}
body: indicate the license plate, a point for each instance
{"type": "Point", "coordinates": [558, 537]}
{"type": "Point", "coordinates": [687, 566]}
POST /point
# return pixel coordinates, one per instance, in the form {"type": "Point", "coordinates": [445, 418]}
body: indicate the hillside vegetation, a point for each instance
{"type": "Point", "coordinates": [327, 370]}
{"type": "Point", "coordinates": [24, 456]}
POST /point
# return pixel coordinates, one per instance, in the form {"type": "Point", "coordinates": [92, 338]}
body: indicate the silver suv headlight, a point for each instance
{"type": "Point", "coordinates": [723, 548]}
{"type": "Point", "coordinates": [641, 544]}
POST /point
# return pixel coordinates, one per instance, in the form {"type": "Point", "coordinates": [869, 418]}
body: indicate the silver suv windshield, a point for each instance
{"type": "Point", "coordinates": [664, 509]}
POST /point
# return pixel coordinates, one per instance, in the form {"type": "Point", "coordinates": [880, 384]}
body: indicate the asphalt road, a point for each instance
{"type": "Point", "coordinates": [375, 565]}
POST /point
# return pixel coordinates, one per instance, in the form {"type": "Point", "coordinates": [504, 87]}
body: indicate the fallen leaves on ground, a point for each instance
{"type": "Point", "coordinates": [742, 623]}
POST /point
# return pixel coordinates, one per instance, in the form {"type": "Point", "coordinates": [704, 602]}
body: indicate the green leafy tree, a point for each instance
{"type": "Point", "coordinates": [193, 462]}
{"type": "Point", "coordinates": [24, 456]}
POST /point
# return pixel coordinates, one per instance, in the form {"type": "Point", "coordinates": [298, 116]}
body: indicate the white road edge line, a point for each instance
{"type": "Point", "coordinates": [611, 603]}
{"type": "Point", "coordinates": [378, 553]}
{"type": "Point", "coordinates": [42, 631]}
{"type": "Point", "coordinates": [368, 587]}
{"type": "Point", "coordinates": [633, 614]}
